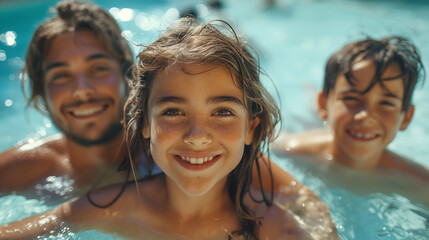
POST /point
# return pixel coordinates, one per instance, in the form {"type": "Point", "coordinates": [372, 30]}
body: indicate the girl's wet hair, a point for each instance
{"type": "Point", "coordinates": [383, 52]}
{"type": "Point", "coordinates": [72, 16]}
{"type": "Point", "coordinates": [188, 41]}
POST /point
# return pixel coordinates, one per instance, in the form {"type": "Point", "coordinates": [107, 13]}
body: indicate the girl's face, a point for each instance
{"type": "Point", "coordinates": [197, 125]}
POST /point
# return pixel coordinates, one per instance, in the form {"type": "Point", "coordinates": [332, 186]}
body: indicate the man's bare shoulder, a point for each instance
{"type": "Point", "coordinates": [395, 162]}
{"type": "Point", "coordinates": [314, 142]}
{"type": "Point", "coordinates": [23, 165]}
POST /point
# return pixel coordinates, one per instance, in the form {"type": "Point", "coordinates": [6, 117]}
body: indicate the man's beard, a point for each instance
{"type": "Point", "coordinates": [109, 135]}
{"type": "Point", "coordinates": [111, 132]}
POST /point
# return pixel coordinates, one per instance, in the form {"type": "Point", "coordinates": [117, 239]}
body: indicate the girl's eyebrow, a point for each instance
{"type": "Point", "coordinates": [216, 99]}
{"type": "Point", "coordinates": [222, 99]}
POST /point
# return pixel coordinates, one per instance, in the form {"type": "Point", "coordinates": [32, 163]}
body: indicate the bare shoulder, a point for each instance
{"type": "Point", "coordinates": [393, 161]}
{"type": "Point", "coordinates": [22, 165]}
{"type": "Point", "coordinates": [311, 142]}
{"type": "Point", "coordinates": [294, 215]}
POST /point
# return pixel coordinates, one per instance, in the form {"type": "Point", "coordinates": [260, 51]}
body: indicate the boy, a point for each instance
{"type": "Point", "coordinates": [365, 100]}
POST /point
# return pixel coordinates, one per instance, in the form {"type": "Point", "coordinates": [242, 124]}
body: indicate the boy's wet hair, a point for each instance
{"type": "Point", "coordinates": [188, 41]}
{"type": "Point", "coordinates": [72, 16]}
{"type": "Point", "coordinates": [383, 52]}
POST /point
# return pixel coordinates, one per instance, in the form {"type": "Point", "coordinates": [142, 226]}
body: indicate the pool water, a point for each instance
{"type": "Point", "coordinates": [294, 41]}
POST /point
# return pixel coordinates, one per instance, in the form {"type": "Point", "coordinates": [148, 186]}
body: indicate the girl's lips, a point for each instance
{"type": "Point", "coordinates": [196, 163]}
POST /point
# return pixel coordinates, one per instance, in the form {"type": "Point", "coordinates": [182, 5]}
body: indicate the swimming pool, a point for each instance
{"type": "Point", "coordinates": [293, 40]}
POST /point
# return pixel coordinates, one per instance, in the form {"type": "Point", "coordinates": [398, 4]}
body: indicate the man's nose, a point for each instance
{"type": "Point", "coordinates": [83, 88]}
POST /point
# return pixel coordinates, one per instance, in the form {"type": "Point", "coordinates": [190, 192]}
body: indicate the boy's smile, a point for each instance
{"type": "Point", "coordinates": [197, 125]}
{"type": "Point", "coordinates": [84, 91]}
{"type": "Point", "coordinates": [365, 122]}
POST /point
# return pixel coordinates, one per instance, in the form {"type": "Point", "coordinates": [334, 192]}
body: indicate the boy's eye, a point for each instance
{"type": "Point", "coordinates": [350, 98]}
{"type": "Point", "coordinates": [223, 112]}
{"type": "Point", "coordinates": [172, 112]}
{"type": "Point", "coordinates": [388, 104]}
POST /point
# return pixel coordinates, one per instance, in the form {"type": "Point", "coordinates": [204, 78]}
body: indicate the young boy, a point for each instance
{"type": "Point", "coordinates": [366, 99]}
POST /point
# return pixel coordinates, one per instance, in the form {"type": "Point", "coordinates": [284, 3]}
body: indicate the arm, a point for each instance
{"type": "Point", "coordinates": [30, 228]}
{"type": "Point", "coordinates": [23, 166]}
{"type": "Point", "coordinates": [71, 213]}
{"type": "Point", "coordinates": [308, 143]}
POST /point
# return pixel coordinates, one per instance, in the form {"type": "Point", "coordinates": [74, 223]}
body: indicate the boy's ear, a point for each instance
{"type": "Point", "coordinates": [251, 130]}
{"type": "Point", "coordinates": [407, 118]}
{"type": "Point", "coordinates": [322, 109]}
{"type": "Point", "coordinates": [146, 130]}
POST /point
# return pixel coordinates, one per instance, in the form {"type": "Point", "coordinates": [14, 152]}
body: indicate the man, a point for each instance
{"type": "Point", "coordinates": [77, 64]}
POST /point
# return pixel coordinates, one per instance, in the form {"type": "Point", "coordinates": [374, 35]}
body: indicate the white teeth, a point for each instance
{"type": "Point", "coordinates": [363, 135]}
{"type": "Point", "coordinates": [195, 160]}
{"type": "Point", "coordinates": [87, 111]}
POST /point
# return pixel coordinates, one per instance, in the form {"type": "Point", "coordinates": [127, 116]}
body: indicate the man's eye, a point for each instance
{"type": "Point", "coordinates": [59, 78]}
{"type": "Point", "coordinates": [223, 112]}
{"type": "Point", "coordinates": [172, 112]}
{"type": "Point", "coordinates": [101, 68]}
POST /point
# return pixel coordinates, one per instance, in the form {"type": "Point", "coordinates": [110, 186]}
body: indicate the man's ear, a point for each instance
{"type": "Point", "coordinates": [321, 104]}
{"type": "Point", "coordinates": [253, 124]}
{"type": "Point", "coordinates": [408, 115]}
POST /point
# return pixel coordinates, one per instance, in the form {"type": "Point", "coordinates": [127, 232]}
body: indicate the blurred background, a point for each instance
{"type": "Point", "coordinates": [294, 39]}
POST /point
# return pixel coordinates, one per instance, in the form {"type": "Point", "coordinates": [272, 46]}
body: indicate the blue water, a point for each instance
{"type": "Point", "coordinates": [293, 40]}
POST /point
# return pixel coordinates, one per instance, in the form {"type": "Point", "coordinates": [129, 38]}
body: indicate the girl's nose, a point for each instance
{"type": "Point", "coordinates": [197, 134]}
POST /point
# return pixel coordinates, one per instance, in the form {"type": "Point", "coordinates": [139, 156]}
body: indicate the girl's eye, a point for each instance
{"type": "Point", "coordinates": [172, 112]}
{"type": "Point", "coordinates": [223, 112]}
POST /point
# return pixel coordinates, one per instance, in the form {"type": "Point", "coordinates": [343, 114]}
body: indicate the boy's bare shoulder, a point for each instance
{"type": "Point", "coordinates": [314, 142]}
{"type": "Point", "coordinates": [22, 165]}
{"type": "Point", "coordinates": [396, 162]}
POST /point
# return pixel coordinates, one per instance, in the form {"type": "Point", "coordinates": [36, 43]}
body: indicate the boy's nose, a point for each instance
{"type": "Point", "coordinates": [365, 117]}
{"type": "Point", "coordinates": [83, 89]}
{"type": "Point", "coordinates": [197, 134]}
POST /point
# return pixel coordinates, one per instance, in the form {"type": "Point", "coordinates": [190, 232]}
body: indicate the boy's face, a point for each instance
{"type": "Point", "coordinates": [197, 125]}
{"type": "Point", "coordinates": [84, 88]}
{"type": "Point", "coordinates": [364, 124]}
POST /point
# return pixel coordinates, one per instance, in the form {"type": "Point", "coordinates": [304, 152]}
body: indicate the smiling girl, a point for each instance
{"type": "Point", "coordinates": [198, 106]}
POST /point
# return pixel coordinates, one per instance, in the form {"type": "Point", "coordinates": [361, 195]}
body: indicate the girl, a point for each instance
{"type": "Point", "coordinates": [198, 106]}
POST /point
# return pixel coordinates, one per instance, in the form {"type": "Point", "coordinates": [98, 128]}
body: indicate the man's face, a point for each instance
{"type": "Point", "coordinates": [84, 89]}
{"type": "Point", "coordinates": [365, 123]}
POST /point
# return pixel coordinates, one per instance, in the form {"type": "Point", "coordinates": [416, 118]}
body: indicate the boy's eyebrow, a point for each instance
{"type": "Point", "coordinates": [392, 96]}
{"type": "Point", "coordinates": [90, 58]}
{"type": "Point", "coordinates": [388, 94]}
